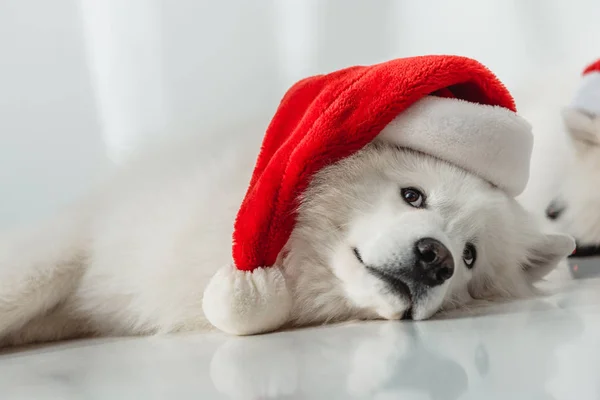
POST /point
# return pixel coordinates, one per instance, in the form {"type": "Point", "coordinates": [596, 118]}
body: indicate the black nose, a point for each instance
{"type": "Point", "coordinates": [434, 264]}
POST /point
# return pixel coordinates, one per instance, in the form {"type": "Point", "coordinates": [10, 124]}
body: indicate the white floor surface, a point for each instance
{"type": "Point", "coordinates": [547, 348]}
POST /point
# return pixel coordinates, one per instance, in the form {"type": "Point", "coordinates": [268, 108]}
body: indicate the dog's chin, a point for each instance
{"type": "Point", "coordinates": [423, 303]}
{"type": "Point", "coordinates": [428, 302]}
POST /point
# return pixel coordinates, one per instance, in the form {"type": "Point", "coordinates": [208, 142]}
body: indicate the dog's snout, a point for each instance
{"type": "Point", "coordinates": [434, 262]}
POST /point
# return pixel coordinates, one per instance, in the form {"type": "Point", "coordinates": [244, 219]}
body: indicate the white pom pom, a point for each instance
{"type": "Point", "coordinates": [245, 303]}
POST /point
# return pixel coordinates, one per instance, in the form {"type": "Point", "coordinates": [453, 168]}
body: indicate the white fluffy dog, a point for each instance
{"type": "Point", "coordinates": [574, 208]}
{"type": "Point", "coordinates": [134, 257]}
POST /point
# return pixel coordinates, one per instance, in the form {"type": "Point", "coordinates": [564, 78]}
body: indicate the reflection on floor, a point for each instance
{"type": "Point", "coordinates": [545, 348]}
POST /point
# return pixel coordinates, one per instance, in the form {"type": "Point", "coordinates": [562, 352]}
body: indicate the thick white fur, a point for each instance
{"type": "Point", "coordinates": [135, 256]}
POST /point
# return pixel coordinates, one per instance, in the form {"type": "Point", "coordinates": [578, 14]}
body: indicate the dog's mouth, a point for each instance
{"type": "Point", "coordinates": [357, 255]}
{"type": "Point", "coordinates": [395, 283]}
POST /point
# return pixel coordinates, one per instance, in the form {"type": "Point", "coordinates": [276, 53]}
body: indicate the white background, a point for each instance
{"type": "Point", "coordinates": [82, 80]}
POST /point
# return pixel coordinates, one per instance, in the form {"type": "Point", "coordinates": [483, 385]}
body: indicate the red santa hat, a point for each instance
{"type": "Point", "coordinates": [450, 107]}
{"type": "Point", "coordinates": [587, 97]}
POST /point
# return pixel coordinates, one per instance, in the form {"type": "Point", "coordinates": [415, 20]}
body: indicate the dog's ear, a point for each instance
{"type": "Point", "coordinates": [546, 252]}
{"type": "Point", "coordinates": [583, 128]}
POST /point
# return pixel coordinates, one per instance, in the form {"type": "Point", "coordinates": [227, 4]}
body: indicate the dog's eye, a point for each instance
{"type": "Point", "coordinates": [413, 197]}
{"type": "Point", "coordinates": [469, 255]}
{"type": "Point", "coordinates": [554, 210]}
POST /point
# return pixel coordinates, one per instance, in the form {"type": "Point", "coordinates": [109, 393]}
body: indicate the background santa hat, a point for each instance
{"type": "Point", "coordinates": [450, 107]}
{"type": "Point", "coordinates": [587, 97]}
{"type": "Point", "coordinates": [580, 116]}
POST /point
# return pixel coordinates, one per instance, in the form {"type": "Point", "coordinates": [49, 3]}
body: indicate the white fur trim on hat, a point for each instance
{"type": "Point", "coordinates": [245, 303]}
{"type": "Point", "coordinates": [587, 97]}
{"type": "Point", "coordinates": [489, 141]}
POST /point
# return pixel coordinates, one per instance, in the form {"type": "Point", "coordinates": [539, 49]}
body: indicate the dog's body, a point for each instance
{"type": "Point", "coordinates": [135, 256]}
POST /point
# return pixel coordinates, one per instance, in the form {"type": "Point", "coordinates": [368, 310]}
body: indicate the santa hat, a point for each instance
{"type": "Point", "coordinates": [580, 117]}
{"type": "Point", "coordinates": [450, 107]}
{"type": "Point", "coordinates": [587, 97]}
